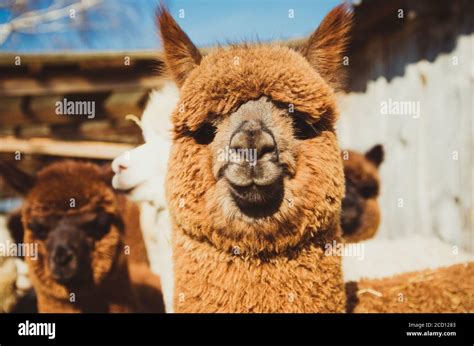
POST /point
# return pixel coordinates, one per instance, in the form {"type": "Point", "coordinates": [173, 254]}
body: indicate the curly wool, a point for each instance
{"type": "Point", "coordinates": [225, 262]}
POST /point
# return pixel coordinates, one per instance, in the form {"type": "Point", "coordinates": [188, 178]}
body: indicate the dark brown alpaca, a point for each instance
{"type": "Point", "coordinates": [250, 228]}
{"type": "Point", "coordinates": [360, 215]}
{"type": "Point", "coordinates": [79, 224]}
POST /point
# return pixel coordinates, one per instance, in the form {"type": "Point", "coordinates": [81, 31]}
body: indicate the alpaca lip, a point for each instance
{"type": "Point", "coordinates": [64, 275]}
{"type": "Point", "coordinates": [121, 182]}
{"type": "Point", "coordinates": [258, 201]}
{"type": "Point", "coordinates": [260, 175]}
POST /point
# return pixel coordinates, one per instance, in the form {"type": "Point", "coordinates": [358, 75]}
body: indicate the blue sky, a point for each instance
{"type": "Point", "coordinates": [129, 24]}
{"type": "Point", "coordinates": [210, 21]}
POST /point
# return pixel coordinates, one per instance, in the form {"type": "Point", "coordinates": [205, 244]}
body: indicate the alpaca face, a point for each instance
{"type": "Point", "coordinates": [360, 212]}
{"type": "Point", "coordinates": [69, 242]}
{"type": "Point", "coordinates": [272, 110]}
{"type": "Point", "coordinates": [141, 171]}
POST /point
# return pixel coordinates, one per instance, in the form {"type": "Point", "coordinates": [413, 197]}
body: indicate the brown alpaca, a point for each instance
{"type": "Point", "coordinates": [360, 214]}
{"type": "Point", "coordinates": [250, 229]}
{"type": "Point", "coordinates": [442, 290]}
{"type": "Point", "coordinates": [78, 222]}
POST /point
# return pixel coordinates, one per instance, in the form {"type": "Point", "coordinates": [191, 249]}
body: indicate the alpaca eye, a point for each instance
{"type": "Point", "coordinates": [303, 129]}
{"type": "Point", "coordinates": [39, 230]}
{"type": "Point", "coordinates": [369, 189]}
{"type": "Point", "coordinates": [205, 134]}
{"type": "Point", "coordinates": [99, 226]}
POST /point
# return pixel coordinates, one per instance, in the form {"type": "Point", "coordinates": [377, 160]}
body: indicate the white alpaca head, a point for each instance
{"type": "Point", "coordinates": [142, 170]}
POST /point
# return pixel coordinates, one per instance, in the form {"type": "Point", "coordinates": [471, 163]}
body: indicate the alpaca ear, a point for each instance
{"type": "Point", "coordinates": [181, 55]}
{"type": "Point", "coordinates": [375, 155]}
{"type": "Point", "coordinates": [325, 47]}
{"type": "Point", "coordinates": [20, 181]}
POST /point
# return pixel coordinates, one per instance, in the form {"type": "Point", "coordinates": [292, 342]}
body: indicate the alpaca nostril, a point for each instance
{"type": "Point", "coordinates": [265, 144]}
{"type": "Point", "coordinates": [120, 164]}
{"type": "Point", "coordinates": [265, 150]}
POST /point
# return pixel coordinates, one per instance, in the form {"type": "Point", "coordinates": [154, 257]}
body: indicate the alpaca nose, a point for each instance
{"type": "Point", "coordinates": [63, 255]}
{"type": "Point", "coordinates": [120, 164]}
{"type": "Point", "coordinates": [352, 210]}
{"type": "Point", "coordinates": [251, 135]}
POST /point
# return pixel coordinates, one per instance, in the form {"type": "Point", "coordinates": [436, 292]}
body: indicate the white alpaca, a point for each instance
{"type": "Point", "coordinates": [14, 281]}
{"type": "Point", "coordinates": [142, 172]}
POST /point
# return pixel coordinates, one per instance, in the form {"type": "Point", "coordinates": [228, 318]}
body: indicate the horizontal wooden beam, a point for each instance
{"type": "Point", "coordinates": [69, 84]}
{"type": "Point", "coordinates": [77, 149]}
{"type": "Point", "coordinates": [121, 103]}
{"type": "Point", "coordinates": [114, 104]}
{"type": "Point", "coordinates": [8, 58]}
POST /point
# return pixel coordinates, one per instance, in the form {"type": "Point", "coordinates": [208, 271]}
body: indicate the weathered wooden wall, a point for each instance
{"type": "Point", "coordinates": [427, 178]}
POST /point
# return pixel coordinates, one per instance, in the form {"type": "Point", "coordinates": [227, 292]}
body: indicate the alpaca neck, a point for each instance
{"type": "Point", "coordinates": [211, 280]}
{"type": "Point", "coordinates": [115, 294]}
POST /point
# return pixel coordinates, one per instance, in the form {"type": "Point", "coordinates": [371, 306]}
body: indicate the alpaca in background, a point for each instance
{"type": "Point", "coordinates": [79, 226]}
{"type": "Point", "coordinates": [360, 220]}
{"type": "Point", "coordinates": [360, 215]}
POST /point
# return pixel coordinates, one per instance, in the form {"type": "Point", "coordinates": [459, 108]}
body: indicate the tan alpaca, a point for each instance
{"type": "Point", "coordinates": [255, 177]}
{"type": "Point", "coordinates": [441, 290]}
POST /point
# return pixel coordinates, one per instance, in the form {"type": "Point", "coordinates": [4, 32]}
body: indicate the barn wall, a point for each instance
{"type": "Point", "coordinates": [427, 178]}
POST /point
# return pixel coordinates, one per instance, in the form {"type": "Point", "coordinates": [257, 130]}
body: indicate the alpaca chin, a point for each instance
{"type": "Point", "coordinates": [151, 190]}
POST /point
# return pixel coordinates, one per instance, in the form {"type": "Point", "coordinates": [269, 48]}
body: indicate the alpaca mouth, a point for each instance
{"type": "Point", "coordinates": [350, 223]}
{"type": "Point", "coordinates": [258, 201]}
{"type": "Point", "coordinates": [352, 209]}
{"type": "Point", "coordinates": [65, 275]}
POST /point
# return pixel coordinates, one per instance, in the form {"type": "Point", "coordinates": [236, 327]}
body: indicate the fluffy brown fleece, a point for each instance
{"type": "Point", "coordinates": [234, 263]}
{"type": "Point", "coordinates": [360, 215]}
{"type": "Point", "coordinates": [115, 285]}
{"type": "Point", "coordinates": [442, 290]}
